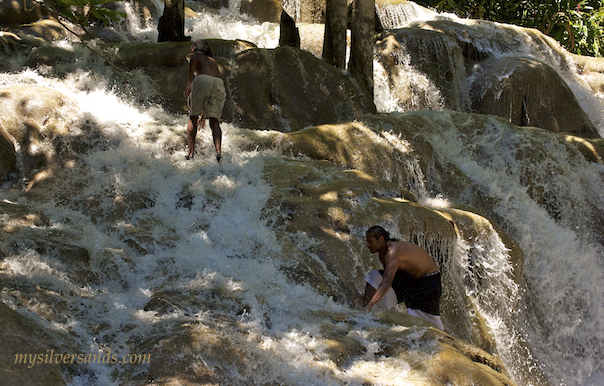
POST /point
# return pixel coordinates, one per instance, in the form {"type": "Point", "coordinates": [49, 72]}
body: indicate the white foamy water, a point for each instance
{"type": "Point", "coordinates": [196, 230]}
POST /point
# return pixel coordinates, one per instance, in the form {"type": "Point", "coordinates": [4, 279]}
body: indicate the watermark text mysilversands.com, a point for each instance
{"type": "Point", "coordinates": [51, 357]}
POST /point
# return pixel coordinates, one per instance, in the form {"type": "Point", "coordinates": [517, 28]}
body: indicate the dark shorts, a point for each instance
{"type": "Point", "coordinates": [419, 294]}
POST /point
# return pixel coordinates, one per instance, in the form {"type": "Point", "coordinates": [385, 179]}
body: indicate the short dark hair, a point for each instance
{"type": "Point", "coordinates": [202, 46]}
{"type": "Point", "coordinates": [377, 232]}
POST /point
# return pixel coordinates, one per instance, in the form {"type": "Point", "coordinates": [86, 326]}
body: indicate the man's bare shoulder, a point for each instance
{"type": "Point", "coordinates": [190, 56]}
{"type": "Point", "coordinates": [406, 249]}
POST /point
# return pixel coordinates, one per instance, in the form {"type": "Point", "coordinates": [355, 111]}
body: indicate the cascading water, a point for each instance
{"type": "Point", "coordinates": [560, 313]}
{"type": "Point", "coordinates": [203, 239]}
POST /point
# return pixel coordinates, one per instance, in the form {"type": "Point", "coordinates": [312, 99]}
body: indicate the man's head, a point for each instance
{"type": "Point", "coordinates": [376, 237]}
{"type": "Point", "coordinates": [378, 232]}
{"type": "Point", "coordinates": [201, 46]}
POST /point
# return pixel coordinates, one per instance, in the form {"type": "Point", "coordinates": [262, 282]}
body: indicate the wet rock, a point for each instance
{"type": "Point", "coordinates": [48, 29]}
{"type": "Point", "coordinates": [287, 89]}
{"type": "Point", "coordinates": [30, 116]}
{"type": "Point", "coordinates": [182, 357]}
{"type": "Point", "coordinates": [530, 93]}
{"type": "Point", "coordinates": [281, 89]}
{"type": "Point", "coordinates": [49, 56]}
{"type": "Point", "coordinates": [592, 149]}
{"type": "Point", "coordinates": [262, 10]}
{"type": "Point", "coordinates": [324, 201]}
{"type": "Point", "coordinates": [360, 145]}
{"type": "Point", "coordinates": [21, 338]}
{"type": "Point", "coordinates": [438, 356]}
{"type": "Point", "coordinates": [17, 12]}
{"type": "Point", "coordinates": [8, 156]}
{"type": "Point", "coordinates": [592, 70]}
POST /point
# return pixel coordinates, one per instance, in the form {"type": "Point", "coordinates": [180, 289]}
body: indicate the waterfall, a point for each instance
{"type": "Point", "coordinates": [560, 314]}
{"type": "Point", "coordinates": [400, 14]}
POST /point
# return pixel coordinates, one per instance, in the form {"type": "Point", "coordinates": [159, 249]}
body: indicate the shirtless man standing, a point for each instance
{"type": "Point", "coordinates": [409, 275]}
{"type": "Point", "coordinates": [205, 93]}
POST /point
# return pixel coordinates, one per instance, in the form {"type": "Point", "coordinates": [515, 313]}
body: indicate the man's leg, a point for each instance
{"type": "Point", "coordinates": [191, 134]}
{"type": "Point", "coordinates": [217, 135]}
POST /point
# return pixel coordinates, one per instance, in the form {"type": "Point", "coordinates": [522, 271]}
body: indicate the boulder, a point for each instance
{"type": "Point", "coordinates": [212, 352]}
{"type": "Point", "coordinates": [48, 29]}
{"type": "Point", "coordinates": [8, 156]}
{"type": "Point", "coordinates": [16, 12]}
{"type": "Point", "coordinates": [338, 209]}
{"type": "Point", "coordinates": [287, 89]}
{"type": "Point", "coordinates": [280, 89]}
{"type": "Point", "coordinates": [530, 93]}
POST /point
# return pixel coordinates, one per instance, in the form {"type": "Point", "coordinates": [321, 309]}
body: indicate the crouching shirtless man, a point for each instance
{"type": "Point", "coordinates": [410, 275]}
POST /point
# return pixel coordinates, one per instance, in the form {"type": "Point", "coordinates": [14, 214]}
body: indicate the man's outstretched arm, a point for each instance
{"type": "Point", "coordinates": [389, 271]}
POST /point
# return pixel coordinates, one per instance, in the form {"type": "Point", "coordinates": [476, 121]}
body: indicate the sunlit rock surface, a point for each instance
{"type": "Point", "coordinates": [17, 12]}
{"type": "Point", "coordinates": [22, 342]}
{"type": "Point", "coordinates": [31, 118]}
{"type": "Point", "coordinates": [422, 356]}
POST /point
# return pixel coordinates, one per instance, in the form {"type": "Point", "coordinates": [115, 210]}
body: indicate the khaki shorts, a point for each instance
{"type": "Point", "coordinates": [207, 96]}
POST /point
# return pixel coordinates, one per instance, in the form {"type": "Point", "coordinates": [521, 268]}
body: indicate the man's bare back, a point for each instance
{"type": "Point", "coordinates": [411, 258]}
{"type": "Point", "coordinates": [200, 63]}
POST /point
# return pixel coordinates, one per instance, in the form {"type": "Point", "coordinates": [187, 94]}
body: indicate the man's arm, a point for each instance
{"type": "Point", "coordinates": [390, 268]}
{"type": "Point", "coordinates": [192, 58]}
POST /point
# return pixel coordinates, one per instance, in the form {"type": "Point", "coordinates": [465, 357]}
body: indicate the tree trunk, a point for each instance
{"type": "Point", "coordinates": [171, 26]}
{"type": "Point", "coordinates": [334, 43]}
{"type": "Point", "coordinates": [290, 35]}
{"type": "Point", "coordinates": [362, 42]}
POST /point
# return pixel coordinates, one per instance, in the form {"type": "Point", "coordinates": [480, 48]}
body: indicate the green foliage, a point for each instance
{"type": "Point", "coordinates": [576, 24]}
{"type": "Point", "coordinates": [84, 12]}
